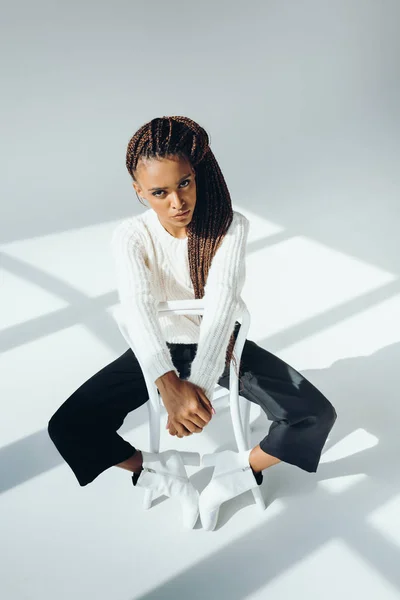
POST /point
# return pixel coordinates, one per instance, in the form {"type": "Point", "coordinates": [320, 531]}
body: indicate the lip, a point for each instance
{"type": "Point", "coordinates": [182, 216]}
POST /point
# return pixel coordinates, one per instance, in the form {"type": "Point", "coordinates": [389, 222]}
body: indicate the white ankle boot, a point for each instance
{"type": "Point", "coordinates": [165, 473]}
{"type": "Point", "coordinates": [232, 476]}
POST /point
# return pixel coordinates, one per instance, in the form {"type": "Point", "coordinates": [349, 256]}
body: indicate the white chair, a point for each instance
{"type": "Point", "coordinates": [239, 407]}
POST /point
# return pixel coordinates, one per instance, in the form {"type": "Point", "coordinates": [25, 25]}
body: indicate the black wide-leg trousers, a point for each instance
{"type": "Point", "coordinates": [84, 428]}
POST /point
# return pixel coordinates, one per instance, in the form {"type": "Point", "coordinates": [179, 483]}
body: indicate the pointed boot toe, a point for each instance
{"type": "Point", "coordinates": [165, 474]}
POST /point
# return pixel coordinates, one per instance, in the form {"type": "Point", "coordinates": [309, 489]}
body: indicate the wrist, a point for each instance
{"type": "Point", "coordinates": [167, 381]}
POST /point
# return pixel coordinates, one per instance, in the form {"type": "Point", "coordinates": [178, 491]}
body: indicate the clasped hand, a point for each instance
{"type": "Point", "coordinates": [189, 409]}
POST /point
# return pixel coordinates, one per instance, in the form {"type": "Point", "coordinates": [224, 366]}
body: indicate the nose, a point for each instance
{"type": "Point", "coordinates": [177, 202]}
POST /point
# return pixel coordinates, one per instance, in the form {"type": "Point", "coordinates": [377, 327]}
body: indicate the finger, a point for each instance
{"type": "Point", "coordinates": [189, 426]}
{"type": "Point", "coordinates": [197, 420]}
{"type": "Point", "coordinates": [192, 427]}
{"type": "Point", "coordinates": [177, 434]}
{"type": "Point", "coordinates": [181, 430]}
{"type": "Point", "coordinates": [203, 412]}
{"type": "Point", "coordinates": [205, 400]}
{"type": "Point", "coordinates": [209, 407]}
{"type": "Point", "coordinates": [171, 429]}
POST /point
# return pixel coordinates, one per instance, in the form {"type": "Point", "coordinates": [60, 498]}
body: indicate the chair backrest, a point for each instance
{"type": "Point", "coordinates": [191, 307]}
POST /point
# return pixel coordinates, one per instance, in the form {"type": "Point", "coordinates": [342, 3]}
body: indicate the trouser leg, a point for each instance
{"type": "Point", "coordinates": [301, 415]}
{"type": "Point", "coordinates": [84, 428]}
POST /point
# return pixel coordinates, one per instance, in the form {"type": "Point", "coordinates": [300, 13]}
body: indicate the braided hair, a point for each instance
{"type": "Point", "coordinates": [182, 137]}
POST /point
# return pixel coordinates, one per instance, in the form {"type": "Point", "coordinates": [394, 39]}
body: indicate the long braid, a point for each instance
{"type": "Point", "coordinates": [180, 136]}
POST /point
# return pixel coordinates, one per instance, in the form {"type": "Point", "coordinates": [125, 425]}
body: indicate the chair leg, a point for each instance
{"type": "Point", "coordinates": [245, 418]}
{"type": "Point", "coordinates": [154, 435]}
{"type": "Point", "coordinates": [240, 411]}
{"type": "Point", "coordinates": [258, 498]}
{"type": "Point", "coordinates": [237, 423]}
{"type": "Point", "coordinates": [154, 425]}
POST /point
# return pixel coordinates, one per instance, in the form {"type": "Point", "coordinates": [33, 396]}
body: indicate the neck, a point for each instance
{"type": "Point", "coordinates": [180, 235]}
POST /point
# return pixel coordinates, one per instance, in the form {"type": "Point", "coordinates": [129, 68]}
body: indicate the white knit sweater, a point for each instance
{"type": "Point", "coordinates": [152, 266]}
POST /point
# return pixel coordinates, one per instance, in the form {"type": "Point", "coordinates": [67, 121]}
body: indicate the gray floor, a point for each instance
{"type": "Point", "coordinates": [329, 534]}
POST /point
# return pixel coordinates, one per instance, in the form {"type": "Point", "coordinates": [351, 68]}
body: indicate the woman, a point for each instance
{"type": "Point", "coordinates": [188, 244]}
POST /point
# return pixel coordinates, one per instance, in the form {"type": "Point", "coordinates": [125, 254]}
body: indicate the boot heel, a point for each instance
{"type": "Point", "coordinates": [147, 500]}
{"type": "Point", "coordinates": [190, 458]}
{"type": "Point", "coordinates": [209, 460]}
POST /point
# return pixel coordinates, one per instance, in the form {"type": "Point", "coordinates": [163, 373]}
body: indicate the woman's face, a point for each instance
{"type": "Point", "coordinates": [169, 186]}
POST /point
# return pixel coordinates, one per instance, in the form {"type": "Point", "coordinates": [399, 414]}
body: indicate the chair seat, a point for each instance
{"type": "Point", "coordinates": [220, 392]}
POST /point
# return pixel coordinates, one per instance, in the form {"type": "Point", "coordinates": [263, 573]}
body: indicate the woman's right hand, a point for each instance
{"type": "Point", "coordinates": [188, 408]}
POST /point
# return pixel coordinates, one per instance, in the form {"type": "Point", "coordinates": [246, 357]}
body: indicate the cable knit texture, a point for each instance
{"type": "Point", "coordinates": [152, 266]}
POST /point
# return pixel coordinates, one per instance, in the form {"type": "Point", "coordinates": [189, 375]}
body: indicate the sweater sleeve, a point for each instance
{"type": "Point", "coordinates": [222, 300]}
{"type": "Point", "coordinates": [139, 307]}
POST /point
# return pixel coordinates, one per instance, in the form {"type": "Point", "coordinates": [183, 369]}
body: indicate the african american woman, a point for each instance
{"type": "Point", "coordinates": [189, 243]}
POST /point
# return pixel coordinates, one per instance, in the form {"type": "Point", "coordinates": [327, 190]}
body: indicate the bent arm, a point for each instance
{"type": "Point", "coordinates": [138, 304]}
{"type": "Point", "coordinates": [222, 300]}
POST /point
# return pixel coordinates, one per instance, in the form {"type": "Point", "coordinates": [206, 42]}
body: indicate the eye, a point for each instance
{"type": "Point", "coordinates": [162, 191]}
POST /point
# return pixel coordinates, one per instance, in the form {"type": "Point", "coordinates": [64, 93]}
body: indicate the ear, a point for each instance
{"type": "Point", "coordinates": [136, 187]}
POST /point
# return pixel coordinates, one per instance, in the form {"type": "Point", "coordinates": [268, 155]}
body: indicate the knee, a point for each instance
{"type": "Point", "coordinates": [61, 422]}
{"type": "Point", "coordinates": [326, 413]}
{"type": "Point", "coordinates": [55, 426]}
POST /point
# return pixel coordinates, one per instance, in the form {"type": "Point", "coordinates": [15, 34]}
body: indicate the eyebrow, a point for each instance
{"type": "Point", "coordinates": [161, 188]}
